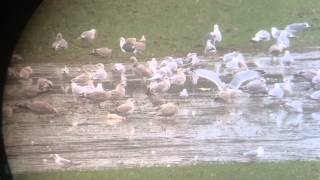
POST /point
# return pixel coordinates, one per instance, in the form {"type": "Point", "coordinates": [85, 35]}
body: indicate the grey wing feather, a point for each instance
{"type": "Point", "coordinates": [211, 76]}
{"type": "Point", "coordinates": [242, 77]}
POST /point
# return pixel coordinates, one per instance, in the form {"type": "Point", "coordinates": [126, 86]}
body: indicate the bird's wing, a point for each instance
{"type": "Point", "coordinates": [211, 76]}
{"type": "Point", "coordinates": [242, 77]}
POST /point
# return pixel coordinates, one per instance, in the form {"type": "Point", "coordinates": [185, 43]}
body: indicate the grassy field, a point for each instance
{"type": "Point", "coordinates": [171, 27]}
{"type": "Point", "coordinates": [244, 171]}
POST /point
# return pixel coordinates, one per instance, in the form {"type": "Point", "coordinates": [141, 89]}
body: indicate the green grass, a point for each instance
{"type": "Point", "coordinates": [171, 27]}
{"type": "Point", "coordinates": [237, 171]}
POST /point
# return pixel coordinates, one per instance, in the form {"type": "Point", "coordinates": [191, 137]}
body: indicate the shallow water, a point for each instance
{"type": "Point", "coordinates": [204, 130]}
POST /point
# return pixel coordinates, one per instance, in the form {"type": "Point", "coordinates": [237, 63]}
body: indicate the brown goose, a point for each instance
{"type": "Point", "coordinates": [102, 52]}
{"type": "Point", "coordinates": [140, 69]}
{"type": "Point", "coordinates": [168, 109]}
{"type": "Point", "coordinates": [126, 108]}
{"type": "Point", "coordinates": [38, 107]}
{"type": "Point", "coordinates": [59, 43]}
{"type": "Point", "coordinates": [140, 45]}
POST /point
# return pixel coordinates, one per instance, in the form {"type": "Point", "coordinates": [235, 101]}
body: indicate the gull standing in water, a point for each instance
{"type": "Point", "coordinates": [184, 93]}
{"type": "Point", "coordinates": [276, 91]}
{"type": "Point", "coordinates": [287, 58]}
{"type": "Point", "coordinates": [257, 153]}
{"type": "Point", "coordinates": [100, 74]}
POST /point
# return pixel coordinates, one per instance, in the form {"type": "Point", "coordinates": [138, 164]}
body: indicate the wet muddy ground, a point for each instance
{"type": "Point", "coordinates": [204, 130]}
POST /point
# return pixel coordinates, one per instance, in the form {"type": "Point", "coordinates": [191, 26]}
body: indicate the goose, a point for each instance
{"type": "Point", "coordinates": [126, 47]}
{"type": "Point", "coordinates": [59, 43]}
{"type": "Point", "coordinates": [102, 52]}
{"type": "Point", "coordinates": [140, 46]}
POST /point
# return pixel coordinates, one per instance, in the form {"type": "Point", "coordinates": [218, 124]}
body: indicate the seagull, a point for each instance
{"type": "Point", "coordinates": [193, 58]}
{"type": "Point", "coordinates": [275, 32]}
{"type": "Point", "coordinates": [256, 86]}
{"type": "Point", "coordinates": [257, 153]}
{"type": "Point", "coordinates": [100, 74]}
{"type": "Point", "coordinates": [102, 52]}
{"type": "Point", "coordinates": [283, 40]}
{"type": "Point", "coordinates": [287, 58]}
{"type": "Point", "coordinates": [154, 98]}
{"type": "Point", "coordinates": [214, 36]}
{"type": "Point", "coordinates": [118, 68]}
{"type": "Point", "coordinates": [184, 93]}
{"type": "Point", "coordinates": [126, 108]}
{"type": "Point", "coordinates": [287, 85]}
{"type": "Point", "coordinates": [210, 47]}
{"type": "Point", "coordinates": [295, 28]}
{"type": "Point", "coordinates": [315, 95]}
{"type": "Point", "coordinates": [62, 161]}
{"type": "Point", "coordinates": [168, 109]}
{"type": "Point", "coordinates": [160, 87]}
{"type": "Point", "coordinates": [316, 79]}
{"type": "Point", "coordinates": [227, 91]}
{"type": "Point", "coordinates": [294, 106]}
{"type": "Point", "coordinates": [261, 35]}
{"type": "Point", "coordinates": [59, 43]}
{"type": "Point", "coordinates": [89, 35]}
{"type": "Point", "coordinates": [179, 78]}
{"type": "Point", "coordinates": [276, 91]}
{"type": "Point", "coordinates": [82, 78]}
{"type": "Point", "coordinates": [140, 69]}
{"type": "Point", "coordinates": [25, 72]}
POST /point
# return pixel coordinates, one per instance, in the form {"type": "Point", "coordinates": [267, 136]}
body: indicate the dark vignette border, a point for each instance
{"type": "Point", "coordinates": [14, 16]}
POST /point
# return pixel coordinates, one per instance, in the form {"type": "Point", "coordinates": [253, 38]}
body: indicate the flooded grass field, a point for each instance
{"type": "Point", "coordinates": [207, 137]}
